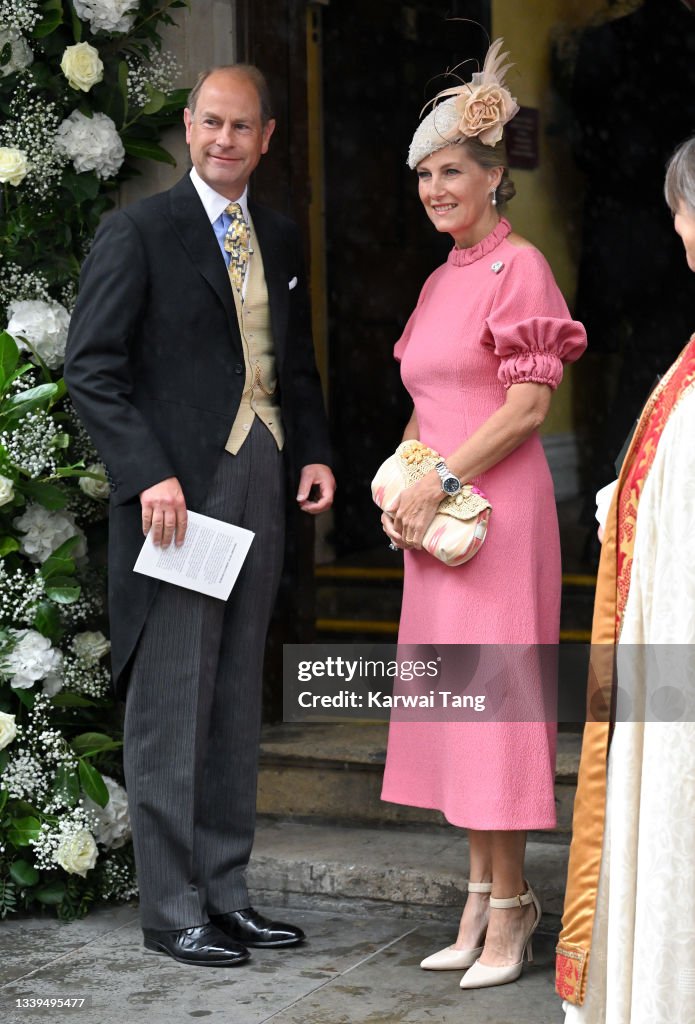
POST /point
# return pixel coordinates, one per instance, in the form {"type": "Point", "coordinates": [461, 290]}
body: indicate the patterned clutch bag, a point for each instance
{"type": "Point", "coordinates": [459, 527]}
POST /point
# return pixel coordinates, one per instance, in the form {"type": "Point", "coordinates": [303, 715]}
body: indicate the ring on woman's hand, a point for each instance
{"type": "Point", "coordinates": [394, 547]}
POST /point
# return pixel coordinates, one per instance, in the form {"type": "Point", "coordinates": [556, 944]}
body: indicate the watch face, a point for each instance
{"type": "Point", "coordinates": [451, 485]}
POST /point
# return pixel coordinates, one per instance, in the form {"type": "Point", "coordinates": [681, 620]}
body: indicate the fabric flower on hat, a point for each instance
{"type": "Point", "coordinates": [45, 327]}
{"type": "Point", "coordinates": [32, 658]}
{"type": "Point", "coordinates": [484, 113]}
{"type": "Point", "coordinates": [107, 15]}
{"type": "Point", "coordinates": [92, 143]}
{"type": "Point", "coordinates": [82, 66]}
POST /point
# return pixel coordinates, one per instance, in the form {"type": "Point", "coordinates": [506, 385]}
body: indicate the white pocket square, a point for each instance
{"type": "Point", "coordinates": [293, 283]}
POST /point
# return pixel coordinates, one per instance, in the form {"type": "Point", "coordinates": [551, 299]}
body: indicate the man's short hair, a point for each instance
{"type": "Point", "coordinates": [249, 71]}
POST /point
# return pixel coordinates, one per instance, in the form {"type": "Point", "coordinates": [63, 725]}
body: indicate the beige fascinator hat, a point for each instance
{"type": "Point", "coordinates": [477, 109]}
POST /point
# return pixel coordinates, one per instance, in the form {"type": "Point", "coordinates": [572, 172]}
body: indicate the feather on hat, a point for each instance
{"type": "Point", "coordinates": [477, 109]}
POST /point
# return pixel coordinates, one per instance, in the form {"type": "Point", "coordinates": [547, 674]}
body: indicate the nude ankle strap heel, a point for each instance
{"type": "Point", "coordinates": [451, 959]}
{"type": "Point", "coordinates": [482, 976]}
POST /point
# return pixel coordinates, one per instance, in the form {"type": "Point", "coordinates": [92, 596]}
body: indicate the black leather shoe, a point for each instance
{"type": "Point", "coordinates": [251, 928]}
{"type": "Point", "coordinates": [202, 945]}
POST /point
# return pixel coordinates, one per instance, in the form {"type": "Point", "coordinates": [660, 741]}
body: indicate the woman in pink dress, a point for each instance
{"type": "Point", "coordinates": [481, 356]}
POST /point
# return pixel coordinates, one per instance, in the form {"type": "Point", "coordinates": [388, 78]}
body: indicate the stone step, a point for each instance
{"type": "Point", "coordinates": [403, 872]}
{"type": "Point", "coordinates": [331, 772]}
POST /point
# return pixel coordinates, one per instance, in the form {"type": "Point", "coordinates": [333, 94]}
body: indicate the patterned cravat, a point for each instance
{"type": "Point", "coordinates": [236, 243]}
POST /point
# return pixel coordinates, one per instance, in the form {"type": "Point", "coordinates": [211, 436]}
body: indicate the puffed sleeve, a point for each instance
{"type": "Point", "coordinates": [529, 325]}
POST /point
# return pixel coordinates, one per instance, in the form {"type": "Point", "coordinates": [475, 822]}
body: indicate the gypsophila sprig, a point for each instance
{"type": "Point", "coordinates": [19, 14]}
{"type": "Point", "coordinates": [78, 96]}
{"type": "Point", "coordinates": [31, 127]}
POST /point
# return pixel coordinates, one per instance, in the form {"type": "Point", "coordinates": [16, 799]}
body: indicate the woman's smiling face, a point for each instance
{"type": "Point", "coordinates": [457, 194]}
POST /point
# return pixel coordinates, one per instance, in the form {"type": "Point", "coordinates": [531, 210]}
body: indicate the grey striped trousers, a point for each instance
{"type": "Point", "coordinates": [193, 710]}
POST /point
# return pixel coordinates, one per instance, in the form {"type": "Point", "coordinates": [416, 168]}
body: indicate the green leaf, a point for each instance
{"type": "Point", "coordinates": [76, 25]}
{"type": "Point", "coordinates": [47, 621]}
{"type": "Point", "coordinates": [82, 187]}
{"type": "Point", "coordinates": [66, 785]}
{"type": "Point", "coordinates": [52, 18]}
{"type": "Point", "coordinates": [52, 893]}
{"type": "Point", "coordinates": [66, 548]}
{"type": "Point", "coordinates": [33, 398]}
{"type": "Point", "coordinates": [24, 873]}
{"type": "Point", "coordinates": [9, 354]}
{"type": "Point", "coordinates": [87, 744]}
{"type": "Point", "coordinates": [148, 150]}
{"type": "Point", "coordinates": [72, 700]}
{"type": "Point", "coordinates": [123, 82]}
{"type": "Point", "coordinates": [48, 495]}
{"type": "Point", "coordinates": [27, 697]}
{"type": "Point", "coordinates": [62, 590]}
{"type": "Point", "coordinates": [61, 441]}
{"type": "Point", "coordinates": [156, 101]}
{"type": "Point", "coordinates": [93, 784]}
{"type": "Point", "coordinates": [55, 566]}
{"type": "Point", "coordinates": [3, 792]}
{"type": "Point", "coordinates": [5, 54]}
{"type": "Point", "coordinates": [7, 545]}
{"type": "Point", "coordinates": [23, 830]}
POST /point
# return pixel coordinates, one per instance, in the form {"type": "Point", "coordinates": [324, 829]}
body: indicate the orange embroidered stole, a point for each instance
{"type": "Point", "coordinates": [612, 590]}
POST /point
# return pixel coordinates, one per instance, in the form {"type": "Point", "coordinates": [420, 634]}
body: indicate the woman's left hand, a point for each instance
{"type": "Point", "coordinates": [415, 508]}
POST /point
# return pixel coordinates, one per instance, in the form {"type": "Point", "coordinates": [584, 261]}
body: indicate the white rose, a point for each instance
{"type": "Point", "coordinates": [82, 66]}
{"type": "Point", "coordinates": [20, 51]}
{"type": "Point", "coordinates": [13, 165]}
{"type": "Point", "coordinates": [113, 821]}
{"type": "Point", "coordinates": [8, 730]}
{"type": "Point", "coordinates": [44, 531]}
{"type": "Point", "coordinates": [32, 658]}
{"type": "Point", "coordinates": [6, 490]}
{"type": "Point", "coordinates": [44, 325]}
{"type": "Point", "coordinates": [90, 646]}
{"type": "Point", "coordinates": [92, 143]}
{"type": "Point", "coordinates": [77, 853]}
{"type": "Point", "coordinates": [107, 15]}
{"type": "Point", "coordinates": [94, 488]}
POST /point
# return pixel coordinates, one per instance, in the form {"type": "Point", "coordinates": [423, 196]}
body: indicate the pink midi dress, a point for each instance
{"type": "Point", "coordinates": [490, 317]}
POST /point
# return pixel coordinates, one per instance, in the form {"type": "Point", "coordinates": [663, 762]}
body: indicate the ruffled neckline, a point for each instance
{"type": "Point", "coordinates": [462, 257]}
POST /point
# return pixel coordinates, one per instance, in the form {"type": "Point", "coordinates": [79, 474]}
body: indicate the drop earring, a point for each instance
{"type": "Point", "coordinates": [494, 197]}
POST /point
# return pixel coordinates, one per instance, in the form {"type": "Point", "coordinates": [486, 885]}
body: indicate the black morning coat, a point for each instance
{"type": "Point", "coordinates": [155, 368]}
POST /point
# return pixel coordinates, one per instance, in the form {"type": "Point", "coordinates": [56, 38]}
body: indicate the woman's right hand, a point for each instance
{"type": "Point", "coordinates": [390, 530]}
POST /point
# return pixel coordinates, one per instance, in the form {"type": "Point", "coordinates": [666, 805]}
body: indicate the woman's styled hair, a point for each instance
{"type": "Point", "coordinates": [249, 71]}
{"type": "Point", "coordinates": [492, 156]}
{"type": "Point", "coordinates": [679, 186]}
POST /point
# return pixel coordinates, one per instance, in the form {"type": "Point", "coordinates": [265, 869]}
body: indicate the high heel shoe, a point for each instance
{"type": "Point", "coordinates": [482, 976]}
{"type": "Point", "coordinates": [451, 959]}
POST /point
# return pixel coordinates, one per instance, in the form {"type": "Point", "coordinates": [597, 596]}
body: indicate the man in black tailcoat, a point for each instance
{"type": "Point", "coordinates": [191, 363]}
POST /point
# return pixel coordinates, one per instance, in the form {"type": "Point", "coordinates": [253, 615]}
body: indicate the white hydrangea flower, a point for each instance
{"type": "Point", "coordinates": [32, 658]}
{"type": "Point", "coordinates": [8, 729]}
{"type": "Point", "coordinates": [6, 490]}
{"type": "Point", "coordinates": [44, 531]}
{"type": "Point", "coordinates": [21, 55]}
{"type": "Point", "coordinates": [77, 853]}
{"type": "Point", "coordinates": [45, 327]}
{"type": "Point", "coordinates": [91, 646]}
{"type": "Point", "coordinates": [107, 15]}
{"type": "Point", "coordinates": [113, 821]}
{"type": "Point", "coordinates": [92, 143]}
{"type": "Point", "coordinates": [98, 489]}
